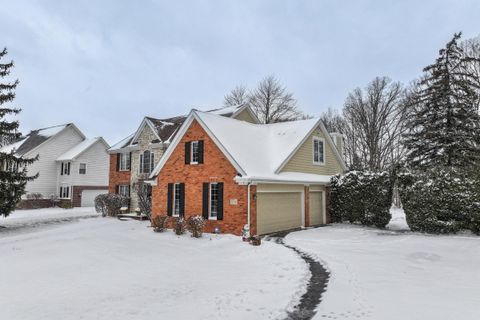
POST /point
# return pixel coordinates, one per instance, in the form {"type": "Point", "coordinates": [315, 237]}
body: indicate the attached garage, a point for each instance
{"type": "Point", "coordinates": [88, 197]}
{"type": "Point", "coordinates": [316, 212]}
{"type": "Point", "coordinates": [279, 208]}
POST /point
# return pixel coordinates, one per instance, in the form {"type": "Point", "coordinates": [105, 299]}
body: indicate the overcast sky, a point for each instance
{"type": "Point", "coordinates": [105, 64]}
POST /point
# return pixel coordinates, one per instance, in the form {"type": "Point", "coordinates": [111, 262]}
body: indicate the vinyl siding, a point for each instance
{"type": "Point", "coordinates": [245, 116]}
{"type": "Point", "coordinates": [302, 160]}
{"type": "Point", "coordinates": [48, 152]}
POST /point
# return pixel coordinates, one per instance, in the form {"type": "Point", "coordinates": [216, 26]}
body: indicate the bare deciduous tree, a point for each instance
{"type": "Point", "coordinates": [333, 121]}
{"type": "Point", "coordinates": [269, 100]}
{"type": "Point", "coordinates": [471, 50]}
{"type": "Point", "coordinates": [374, 124]}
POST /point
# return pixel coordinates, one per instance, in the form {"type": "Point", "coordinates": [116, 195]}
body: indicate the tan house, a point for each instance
{"type": "Point", "coordinates": [270, 177]}
{"type": "Point", "coordinates": [134, 158]}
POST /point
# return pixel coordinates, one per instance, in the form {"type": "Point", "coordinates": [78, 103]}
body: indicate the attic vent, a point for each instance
{"type": "Point", "coordinates": [155, 141]}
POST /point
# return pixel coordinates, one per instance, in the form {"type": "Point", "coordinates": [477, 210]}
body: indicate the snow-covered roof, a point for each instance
{"type": "Point", "coordinates": [258, 151]}
{"type": "Point", "coordinates": [79, 149]}
{"type": "Point", "coordinates": [122, 143]}
{"type": "Point", "coordinates": [12, 147]}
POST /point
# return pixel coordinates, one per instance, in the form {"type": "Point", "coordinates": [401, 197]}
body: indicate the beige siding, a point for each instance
{"type": "Point", "coordinates": [245, 116]}
{"type": "Point", "coordinates": [278, 211]}
{"type": "Point", "coordinates": [279, 187]}
{"type": "Point", "coordinates": [144, 143]}
{"type": "Point", "coordinates": [315, 207]}
{"type": "Point", "coordinates": [302, 160]}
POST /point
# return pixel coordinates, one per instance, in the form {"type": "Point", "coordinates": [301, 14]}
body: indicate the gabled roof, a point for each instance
{"type": "Point", "coordinates": [80, 148]}
{"type": "Point", "coordinates": [256, 150]}
{"type": "Point", "coordinates": [166, 129]}
{"type": "Point", "coordinates": [36, 138]}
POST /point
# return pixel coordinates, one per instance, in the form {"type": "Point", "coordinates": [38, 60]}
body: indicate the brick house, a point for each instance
{"type": "Point", "coordinates": [271, 177]}
{"type": "Point", "coordinates": [134, 158]}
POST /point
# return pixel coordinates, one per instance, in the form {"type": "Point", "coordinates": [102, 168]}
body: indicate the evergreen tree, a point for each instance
{"type": "Point", "coordinates": [13, 174]}
{"type": "Point", "coordinates": [444, 125]}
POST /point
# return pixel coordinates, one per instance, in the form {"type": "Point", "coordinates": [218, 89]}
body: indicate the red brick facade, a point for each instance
{"type": "Point", "coordinates": [77, 193]}
{"type": "Point", "coordinates": [216, 168]}
{"type": "Point", "coordinates": [115, 177]}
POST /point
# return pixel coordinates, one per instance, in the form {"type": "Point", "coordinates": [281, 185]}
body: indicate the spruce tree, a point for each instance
{"type": "Point", "coordinates": [444, 125]}
{"type": "Point", "coordinates": [13, 169]}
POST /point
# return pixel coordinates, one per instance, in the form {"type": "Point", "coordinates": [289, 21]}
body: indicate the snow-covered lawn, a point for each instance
{"type": "Point", "coordinates": [103, 268]}
{"type": "Point", "coordinates": [379, 274]}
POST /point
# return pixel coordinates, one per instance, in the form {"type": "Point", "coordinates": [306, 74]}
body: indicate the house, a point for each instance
{"type": "Point", "coordinates": [134, 158]}
{"type": "Point", "coordinates": [271, 177]}
{"type": "Point", "coordinates": [70, 167]}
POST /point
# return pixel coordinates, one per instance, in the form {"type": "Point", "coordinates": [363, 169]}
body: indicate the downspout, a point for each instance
{"type": "Point", "coordinates": [248, 206]}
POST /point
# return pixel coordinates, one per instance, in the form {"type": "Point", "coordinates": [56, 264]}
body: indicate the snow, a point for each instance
{"type": "Point", "coordinates": [11, 147]}
{"type": "Point", "coordinates": [51, 131]}
{"type": "Point", "coordinates": [226, 110]}
{"type": "Point", "coordinates": [287, 177]}
{"type": "Point", "coordinates": [104, 268]}
{"type": "Point", "coordinates": [78, 149]}
{"type": "Point", "coordinates": [121, 143]}
{"type": "Point", "coordinates": [398, 221]}
{"type": "Point", "coordinates": [378, 274]}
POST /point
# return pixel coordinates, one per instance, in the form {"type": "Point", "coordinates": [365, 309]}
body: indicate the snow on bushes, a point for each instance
{"type": "Point", "coordinates": [440, 202]}
{"type": "Point", "coordinates": [195, 225]}
{"type": "Point", "coordinates": [361, 197]}
{"type": "Point", "coordinates": [159, 223]}
{"type": "Point", "coordinates": [110, 204]}
{"type": "Point", "coordinates": [179, 225]}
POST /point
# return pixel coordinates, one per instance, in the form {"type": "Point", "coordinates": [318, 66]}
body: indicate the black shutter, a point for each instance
{"type": "Point", "coordinates": [129, 162]}
{"type": "Point", "coordinates": [169, 199]}
{"type": "Point", "coordinates": [152, 162]}
{"type": "Point", "coordinates": [128, 187]}
{"type": "Point", "coordinates": [200, 151]}
{"type": "Point", "coordinates": [117, 189]}
{"type": "Point", "coordinates": [182, 199]}
{"type": "Point", "coordinates": [206, 193]}
{"type": "Point", "coordinates": [60, 194]}
{"type": "Point", "coordinates": [187, 152]}
{"type": "Point", "coordinates": [61, 170]}
{"type": "Point", "coordinates": [68, 168]}
{"type": "Point", "coordinates": [118, 161]}
{"type": "Point", "coordinates": [220, 201]}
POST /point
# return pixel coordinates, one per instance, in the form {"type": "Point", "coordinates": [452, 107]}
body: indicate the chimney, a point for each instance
{"type": "Point", "coordinates": [338, 141]}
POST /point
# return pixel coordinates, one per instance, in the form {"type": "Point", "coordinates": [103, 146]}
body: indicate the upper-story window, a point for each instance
{"type": "Point", "coordinates": [147, 160]}
{"type": "Point", "coordinates": [65, 168]}
{"type": "Point", "coordinates": [318, 151]}
{"type": "Point", "coordinates": [194, 152]}
{"type": "Point", "coordinates": [124, 161]}
{"type": "Point", "coordinates": [82, 169]}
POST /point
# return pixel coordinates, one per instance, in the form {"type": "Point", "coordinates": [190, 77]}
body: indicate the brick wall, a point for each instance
{"type": "Point", "coordinates": [116, 177]}
{"type": "Point", "coordinates": [216, 168]}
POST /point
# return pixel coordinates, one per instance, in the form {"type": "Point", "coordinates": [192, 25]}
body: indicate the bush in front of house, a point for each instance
{"type": "Point", "coordinates": [441, 201]}
{"type": "Point", "coordinates": [362, 197]}
{"type": "Point", "coordinates": [195, 225]}
{"type": "Point", "coordinates": [159, 223]}
{"type": "Point", "coordinates": [109, 204]}
{"type": "Point", "coordinates": [179, 225]}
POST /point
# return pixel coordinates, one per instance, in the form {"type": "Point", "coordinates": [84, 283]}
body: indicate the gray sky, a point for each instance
{"type": "Point", "coordinates": [105, 64]}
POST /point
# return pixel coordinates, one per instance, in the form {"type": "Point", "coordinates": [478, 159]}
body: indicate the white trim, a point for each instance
{"type": "Point", "coordinates": [120, 161]}
{"type": "Point", "coordinates": [315, 139]}
{"type": "Point", "coordinates": [69, 188]}
{"type": "Point", "coordinates": [80, 167]}
{"type": "Point", "coordinates": [191, 151]}
{"type": "Point", "coordinates": [144, 122]}
{"type": "Point", "coordinates": [210, 201]}
{"type": "Point", "coordinates": [173, 201]}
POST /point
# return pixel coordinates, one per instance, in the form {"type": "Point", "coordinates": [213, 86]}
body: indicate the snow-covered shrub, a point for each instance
{"type": "Point", "coordinates": [179, 225]}
{"type": "Point", "coordinates": [159, 223]}
{"type": "Point", "coordinates": [440, 201]}
{"type": "Point", "coordinates": [361, 197]}
{"type": "Point", "coordinates": [195, 225]}
{"type": "Point", "coordinates": [110, 204]}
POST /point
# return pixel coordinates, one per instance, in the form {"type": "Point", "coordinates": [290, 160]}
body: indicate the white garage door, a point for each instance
{"type": "Point", "coordinates": [88, 197]}
{"type": "Point", "coordinates": [278, 211]}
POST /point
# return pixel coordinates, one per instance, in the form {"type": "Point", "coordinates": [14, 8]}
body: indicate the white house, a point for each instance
{"type": "Point", "coordinates": [71, 167]}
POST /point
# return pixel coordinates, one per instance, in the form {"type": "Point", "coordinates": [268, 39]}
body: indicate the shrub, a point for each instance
{"type": "Point", "coordinates": [440, 202]}
{"type": "Point", "coordinates": [159, 223]}
{"type": "Point", "coordinates": [179, 225]}
{"type": "Point", "coordinates": [195, 226]}
{"type": "Point", "coordinates": [110, 204]}
{"type": "Point", "coordinates": [362, 197]}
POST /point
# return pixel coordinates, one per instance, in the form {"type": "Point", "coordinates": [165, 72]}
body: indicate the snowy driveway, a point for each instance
{"type": "Point", "coordinates": [103, 268]}
{"type": "Point", "coordinates": [389, 275]}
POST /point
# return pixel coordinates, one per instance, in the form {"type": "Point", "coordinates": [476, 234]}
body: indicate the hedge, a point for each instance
{"type": "Point", "coordinates": [362, 197]}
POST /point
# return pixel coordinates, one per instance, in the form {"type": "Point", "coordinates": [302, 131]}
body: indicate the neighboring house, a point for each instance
{"type": "Point", "coordinates": [134, 158]}
{"type": "Point", "coordinates": [271, 177]}
{"type": "Point", "coordinates": [71, 167]}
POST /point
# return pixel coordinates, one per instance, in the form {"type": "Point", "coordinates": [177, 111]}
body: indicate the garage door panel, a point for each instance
{"type": "Point", "coordinates": [278, 211]}
{"type": "Point", "coordinates": [88, 197]}
{"type": "Point", "coordinates": [315, 208]}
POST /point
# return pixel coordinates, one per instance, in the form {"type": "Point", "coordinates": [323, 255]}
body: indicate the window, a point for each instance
{"type": "Point", "coordinates": [65, 168]}
{"type": "Point", "coordinates": [318, 151]}
{"type": "Point", "coordinates": [83, 168]}
{"type": "Point", "coordinates": [214, 195]}
{"type": "Point", "coordinates": [176, 200]}
{"type": "Point", "coordinates": [124, 190]}
{"type": "Point", "coordinates": [146, 162]}
{"type": "Point", "coordinates": [124, 161]}
{"type": "Point", "coordinates": [194, 152]}
{"type": "Point", "coordinates": [64, 192]}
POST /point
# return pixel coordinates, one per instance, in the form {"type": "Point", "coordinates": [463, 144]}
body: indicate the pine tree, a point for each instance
{"type": "Point", "coordinates": [13, 174]}
{"type": "Point", "coordinates": [444, 125]}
